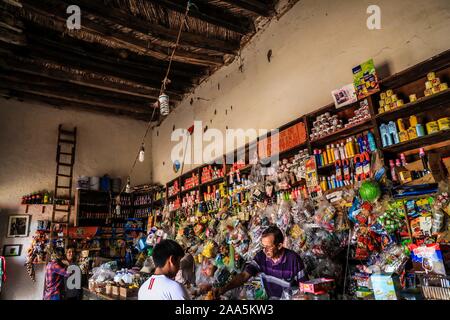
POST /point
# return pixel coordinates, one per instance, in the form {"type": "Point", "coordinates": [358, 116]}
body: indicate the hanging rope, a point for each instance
{"type": "Point", "coordinates": [164, 84]}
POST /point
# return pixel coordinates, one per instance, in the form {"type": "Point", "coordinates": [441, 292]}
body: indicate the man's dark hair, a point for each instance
{"type": "Point", "coordinates": [164, 250]}
{"type": "Point", "coordinates": [277, 234]}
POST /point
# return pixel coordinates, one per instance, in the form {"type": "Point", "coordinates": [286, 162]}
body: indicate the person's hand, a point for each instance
{"type": "Point", "coordinates": [204, 288]}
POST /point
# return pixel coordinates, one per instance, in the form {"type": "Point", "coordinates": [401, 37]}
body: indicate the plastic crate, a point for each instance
{"type": "Point", "coordinates": [435, 287]}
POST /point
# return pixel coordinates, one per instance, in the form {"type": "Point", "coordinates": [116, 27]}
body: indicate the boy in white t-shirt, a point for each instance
{"type": "Point", "coordinates": [161, 286]}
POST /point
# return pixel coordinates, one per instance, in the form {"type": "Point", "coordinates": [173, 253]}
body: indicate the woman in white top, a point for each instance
{"type": "Point", "coordinates": [167, 256]}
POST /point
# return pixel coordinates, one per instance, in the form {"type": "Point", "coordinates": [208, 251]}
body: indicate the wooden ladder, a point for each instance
{"type": "Point", "coordinates": [62, 197]}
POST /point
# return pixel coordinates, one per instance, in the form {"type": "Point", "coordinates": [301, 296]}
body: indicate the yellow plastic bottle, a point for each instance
{"type": "Point", "coordinates": [329, 154]}
{"type": "Point", "coordinates": [325, 157]}
{"type": "Point", "coordinates": [412, 132]}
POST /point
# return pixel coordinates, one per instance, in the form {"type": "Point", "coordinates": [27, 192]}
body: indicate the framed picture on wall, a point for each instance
{"type": "Point", "coordinates": [18, 226]}
{"type": "Point", "coordinates": [12, 250]}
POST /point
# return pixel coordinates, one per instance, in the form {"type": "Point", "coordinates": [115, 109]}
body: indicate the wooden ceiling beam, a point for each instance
{"type": "Point", "coordinates": [89, 65]}
{"type": "Point", "coordinates": [252, 6]}
{"type": "Point", "coordinates": [71, 93]}
{"type": "Point", "coordinates": [63, 104]}
{"type": "Point", "coordinates": [210, 14]}
{"type": "Point", "coordinates": [51, 70]}
{"type": "Point", "coordinates": [87, 51]}
{"type": "Point", "coordinates": [55, 19]}
{"type": "Point", "coordinates": [188, 39]}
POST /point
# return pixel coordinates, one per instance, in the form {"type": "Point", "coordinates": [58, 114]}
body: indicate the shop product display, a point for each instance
{"type": "Point", "coordinates": [42, 197]}
{"type": "Point", "coordinates": [389, 101]}
{"type": "Point", "coordinates": [434, 85]}
{"type": "Point", "coordinates": [366, 219]}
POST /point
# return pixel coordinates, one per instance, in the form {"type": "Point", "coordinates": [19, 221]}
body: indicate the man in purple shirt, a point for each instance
{"type": "Point", "coordinates": [279, 268]}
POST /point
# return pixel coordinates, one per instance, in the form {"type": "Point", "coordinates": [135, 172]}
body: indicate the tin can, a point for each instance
{"type": "Point", "coordinates": [394, 98]}
{"type": "Point", "coordinates": [389, 93]}
{"type": "Point", "coordinates": [431, 76]}
{"type": "Point", "coordinates": [428, 85]}
{"type": "Point", "coordinates": [383, 95]}
{"type": "Point", "coordinates": [381, 110]}
{"type": "Point", "coordinates": [400, 103]}
{"type": "Point", "coordinates": [432, 127]}
{"type": "Point", "coordinates": [412, 98]}
{"type": "Point", "coordinates": [436, 82]}
{"type": "Point", "coordinates": [420, 130]}
{"type": "Point", "coordinates": [444, 123]}
{"type": "Point", "coordinates": [388, 100]}
{"type": "Point", "coordinates": [443, 86]}
{"type": "Point", "coordinates": [435, 90]}
{"type": "Point", "coordinates": [428, 92]}
{"type": "Point", "coordinates": [387, 108]}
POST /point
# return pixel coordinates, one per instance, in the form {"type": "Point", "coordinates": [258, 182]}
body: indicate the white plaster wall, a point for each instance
{"type": "Point", "coordinates": [315, 46]}
{"type": "Point", "coordinates": [28, 136]}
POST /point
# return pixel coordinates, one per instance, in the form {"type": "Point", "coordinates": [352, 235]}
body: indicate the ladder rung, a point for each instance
{"type": "Point", "coordinates": [64, 175]}
{"type": "Point", "coordinates": [61, 210]}
{"type": "Point", "coordinates": [66, 153]}
{"type": "Point", "coordinates": [62, 187]}
{"type": "Point", "coordinates": [66, 141]}
{"type": "Point", "coordinates": [67, 132]}
{"type": "Point", "coordinates": [64, 164]}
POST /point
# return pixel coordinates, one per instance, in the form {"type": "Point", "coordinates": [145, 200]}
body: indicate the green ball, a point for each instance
{"type": "Point", "coordinates": [369, 191]}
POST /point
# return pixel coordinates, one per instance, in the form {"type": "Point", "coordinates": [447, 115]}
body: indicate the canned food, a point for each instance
{"type": "Point", "coordinates": [428, 92]}
{"type": "Point", "coordinates": [389, 93]}
{"type": "Point", "coordinates": [436, 82]}
{"type": "Point", "coordinates": [381, 110]}
{"type": "Point", "coordinates": [431, 76]}
{"type": "Point", "coordinates": [400, 103]}
{"type": "Point", "coordinates": [432, 127]}
{"type": "Point", "coordinates": [387, 108]}
{"type": "Point", "coordinates": [435, 90]}
{"type": "Point", "coordinates": [428, 85]}
{"type": "Point", "coordinates": [412, 98]}
{"type": "Point", "coordinates": [388, 100]}
{"type": "Point", "coordinates": [383, 95]}
{"type": "Point", "coordinates": [394, 98]}
{"type": "Point", "coordinates": [443, 86]}
{"type": "Point", "coordinates": [444, 123]}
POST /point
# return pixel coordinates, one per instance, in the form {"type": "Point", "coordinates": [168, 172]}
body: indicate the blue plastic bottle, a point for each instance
{"type": "Point", "coordinates": [372, 144]}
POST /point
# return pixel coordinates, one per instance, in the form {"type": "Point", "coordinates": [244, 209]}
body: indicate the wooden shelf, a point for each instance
{"type": "Point", "coordinates": [174, 196]}
{"type": "Point", "coordinates": [344, 133]}
{"type": "Point", "coordinates": [441, 99]}
{"type": "Point", "coordinates": [189, 190]}
{"type": "Point", "coordinates": [286, 153]}
{"type": "Point", "coordinates": [213, 182]}
{"type": "Point", "coordinates": [431, 141]}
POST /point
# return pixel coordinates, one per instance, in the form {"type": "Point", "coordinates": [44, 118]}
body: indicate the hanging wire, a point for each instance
{"type": "Point", "coordinates": [165, 81]}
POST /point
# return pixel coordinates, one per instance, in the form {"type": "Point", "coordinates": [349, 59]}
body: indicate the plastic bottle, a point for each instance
{"type": "Point", "coordinates": [403, 159]}
{"type": "Point", "coordinates": [352, 147]}
{"type": "Point", "coordinates": [393, 173]}
{"type": "Point", "coordinates": [336, 152]}
{"type": "Point", "coordinates": [329, 154]}
{"type": "Point", "coordinates": [372, 144]}
{"type": "Point", "coordinates": [325, 157]}
{"type": "Point", "coordinates": [360, 144]}
{"type": "Point", "coordinates": [342, 151]}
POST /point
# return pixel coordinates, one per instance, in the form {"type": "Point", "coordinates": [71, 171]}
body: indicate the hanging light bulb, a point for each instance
{"type": "Point", "coordinates": [164, 104]}
{"type": "Point", "coordinates": [128, 186]}
{"type": "Point", "coordinates": [142, 154]}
